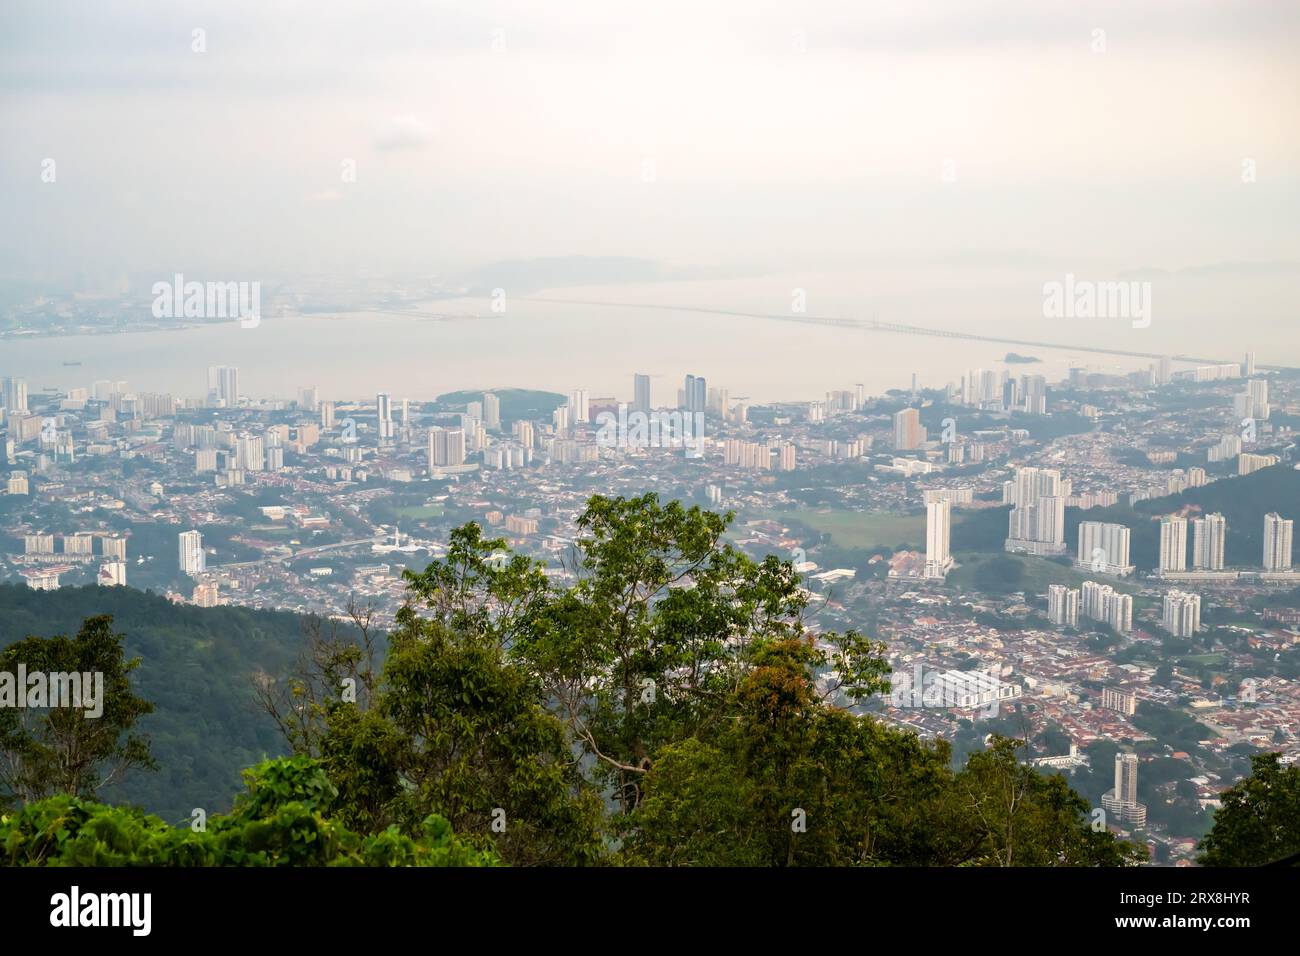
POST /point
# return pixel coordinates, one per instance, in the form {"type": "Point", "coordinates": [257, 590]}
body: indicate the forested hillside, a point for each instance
{"type": "Point", "coordinates": [197, 666]}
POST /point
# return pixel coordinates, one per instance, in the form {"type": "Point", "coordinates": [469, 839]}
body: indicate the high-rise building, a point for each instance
{"type": "Point", "coordinates": [525, 433]}
{"type": "Point", "coordinates": [112, 574]}
{"type": "Point", "coordinates": [1181, 613]}
{"type": "Point", "coordinates": [1277, 542]}
{"type": "Point", "coordinates": [193, 561]}
{"type": "Point", "coordinates": [1121, 701]}
{"type": "Point", "coordinates": [78, 544]}
{"type": "Point", "coordinates": [384, 415]}
{"type": "Point", "coordinates": [641, 393]}
{"type": "Point", "coordinates": [250, 453]}
{"type": "Point", "coordinates": [908, 433]}
{"type": "Point", "coordinates": [205, 595]}
{"type": "Point", "coordinates": [1248, 366]}
{"type": "Point", "coordinates": [1257, 396]}
{"type": "Point", "coordinates": [1033, 483]}
{"type": "Point", "coordinates": [1104, 548]}
{"type": "Point", "coordinates": [1037, 521]}
{"type": "Point", "coordinates": [326, 415]}
{"type": "Point", "coordinates": [455, 447]}
{"type": "Point", "coordinates": [719, 402]}
{"type": "Point", "coordinates": [1101, 602]}
{"type": "Point", "coordinates": [1063, 605]}
{"type": "Point", "coordinates": [309, 398]}
{"type": "Point", "coordinates": [746, 454]}
{"type": "Point", "coordinates": [15, 395]}
{"type": "Point", "coordinates": [1010, 394]}
{"type": "Point", "coordinates": [1229, 446]}
{"type": "Point", "coordinates": [1209, 534]}
{"type": "Point", "coordinates": [1173, 543]}
{"type": "Point", "coordinates": [1122, 800]}
{"type": "Point", "coordinates": [114, 548]}
{"type": "Point", "coordinates": [223, 386]}
{"type": "Point", "coordinates": [1126, 777]}
{"type": "Point", "coordinates": [938, 535]}
{"type": "Point", "coordinates": [1034, 389]}
{"type": "Point", "coordinates": [785, 456]}
{"type": "Point", "coordinates": [579, 407]}
{"type": "Point", "coordinates": [1248, 464]}
{"type": "Point", "coordinates": [696, 394]}
{"type": "Point", "coordinates": [446, 446]}
{"type": "Point", "coordinates": [491, 411]}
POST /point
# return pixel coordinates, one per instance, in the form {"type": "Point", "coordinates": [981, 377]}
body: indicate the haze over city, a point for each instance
{"type": "Point", "coordinates": [843, 435]}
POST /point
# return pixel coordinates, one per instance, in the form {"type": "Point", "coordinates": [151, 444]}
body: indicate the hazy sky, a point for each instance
{"type": "Point", "coordinates": [746, 134]}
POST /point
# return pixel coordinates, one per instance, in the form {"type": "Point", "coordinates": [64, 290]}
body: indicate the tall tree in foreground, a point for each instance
{"type": "Point", "coordinates": [787, 781]}
{"type": "Point", "coordinates": [659, 633]}
{"type": "Point", "coordinates": [1259, 820]}
{"type": "Point", "coordinates": [49, 750]}
{"type": "Point", "coordinates": [1011, 815]}
{"type": "Point", "coordinates": [792, 782]}
{"type": "Point", "coordinates": [458, 731]}
{"type": "Point", "coordinates": [449, 726]}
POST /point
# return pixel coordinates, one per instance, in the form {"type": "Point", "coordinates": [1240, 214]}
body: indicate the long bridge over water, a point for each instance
{"type": "Point", "coordinates": [875, 325]}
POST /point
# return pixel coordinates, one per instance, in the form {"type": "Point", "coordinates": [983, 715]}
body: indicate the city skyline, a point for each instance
{"type": "Point", "coordinates": [583, 436]}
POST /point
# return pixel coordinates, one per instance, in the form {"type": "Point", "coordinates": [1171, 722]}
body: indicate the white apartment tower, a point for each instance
{"type": "Point", "coordinates": [1181, 613]}
{"type": "Point", "coordinates": [1101, 602]}
{"type": "Point", "coordinates": [491, 411]}
{"type": "Point", "coordinates": [1037, 521]}
{"type": "Point", "coordinates": [384, 415]}
{"type": "Point", "coordinates": [579, 407]}
{"type": "Point", "coordinates": [1209, 534]}
{"type": "Point", "coordinates": [192, 559]}
{"type": "Point", "coordinates": [446, 446]}
{"type": "Point", "coordinates": [1122, 801]}
{"type": "Point", "coordinates": [938, 532]}
{"type": "Point", "coordinates": [1104, 548]}
{"type": "Point", "coordinates": [1063, 605]}
{"type": "Point", "coordinates": [1277, 542]}
{"type": "Point", "coordinates": [1173, 543]}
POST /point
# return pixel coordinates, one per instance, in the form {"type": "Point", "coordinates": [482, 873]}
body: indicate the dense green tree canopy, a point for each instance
{"type": "Point", "coordinates": [1259, 821]}
{"type": "Point", "coordinates": [282, 820]}
{"type": "Point", "coordinates": [57, 748]}
{"type": "Point", "coordinates": [661, 703]}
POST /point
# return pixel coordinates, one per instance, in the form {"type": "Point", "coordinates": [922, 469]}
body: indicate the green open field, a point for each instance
{"type": "Point", "coordinates": [419, 512]}
{"type": "Point", "coordinates": [1209, 660]}
{"type": "Point", "coordinates": [274, 531]}
{"type": "Point", "coordinates": [858, 529]}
